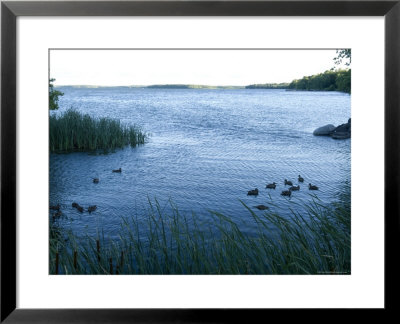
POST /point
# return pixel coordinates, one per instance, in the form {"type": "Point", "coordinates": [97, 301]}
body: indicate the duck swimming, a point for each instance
{"type": "Point", "coordinates": [77, 206]}
{"type": "Point", "coordinates": [271, 185]}
{"type": "Point", "coordinates": [96, 180]}
{"type": "Point", "coordinates": [294, 188]}
{"type": "Point", "coordinates": [118, 170]}
{"type": "Point", "coordinates": [289, 183]}
{"type": "Point", "coordinates": [312, 187]}
{"type": "Point", "coordinates": [92, 208]}
{"type": "Point", "coordinates": [57, 214]}
{"type": "Point", "coordinates": [252, 192]}
{"type": "Point", "coordinates": [55, 207]}
{"type": "Point", "coordinates": [286, 193]}
{"type": "Point", "coordinates": [301, 179]}
{"type": "Point", "coordinates": [261, 207]}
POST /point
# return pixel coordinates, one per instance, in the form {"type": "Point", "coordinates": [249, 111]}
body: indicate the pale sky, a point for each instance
{"type": "Point", "coordinates": [204, 67]}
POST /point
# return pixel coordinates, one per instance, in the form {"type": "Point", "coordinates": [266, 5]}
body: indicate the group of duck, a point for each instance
{"type": "Point", "coordinates": [287, 192]}
{"type": "Point", "coordinates": [78, 207]}
{"type": "Point", "coordinates": [91, 208]}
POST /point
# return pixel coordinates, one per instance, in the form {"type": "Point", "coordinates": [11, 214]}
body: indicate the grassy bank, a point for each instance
{"type": "Point", "coordinates": [317, 242]}
{"type": "Point", "coordinates": [74, 131]}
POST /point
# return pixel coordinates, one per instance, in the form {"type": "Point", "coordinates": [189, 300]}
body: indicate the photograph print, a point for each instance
{"type": "Point", "coordinates": [211, 161]}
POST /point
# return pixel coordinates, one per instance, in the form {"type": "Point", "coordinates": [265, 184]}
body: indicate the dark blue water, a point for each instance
{"type": "Point", "coordinates": [207, 149]}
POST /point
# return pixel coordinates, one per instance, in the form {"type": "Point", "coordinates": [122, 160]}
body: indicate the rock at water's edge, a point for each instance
{"type": "Point", "coordinates": [324, 130]}
{"type": "Point", "coordinates": [342, 131]}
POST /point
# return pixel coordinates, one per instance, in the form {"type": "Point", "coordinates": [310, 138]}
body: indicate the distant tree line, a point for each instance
{"type": "Point", "coordinates": [170, 86]}
{"type": "Point", "coordinates": [339, 80]}
{"type": "Point", "coordinates": [268, 86]}
{"type": "Point", "coordinates": [190, 86]}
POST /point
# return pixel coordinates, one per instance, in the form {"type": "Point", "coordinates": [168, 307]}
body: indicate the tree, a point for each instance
{"type": "Point", "coordinates": [53, 96]}
{"type": "Point", "coordinates": [343, 81]}
{"type": "Point", "coordinates": [339, 80]}
{"type": "Point", "coordinates": [343, 55]}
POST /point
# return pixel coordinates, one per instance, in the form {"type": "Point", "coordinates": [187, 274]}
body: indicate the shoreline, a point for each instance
{"type": "Point", "coordinates": [194, 88]}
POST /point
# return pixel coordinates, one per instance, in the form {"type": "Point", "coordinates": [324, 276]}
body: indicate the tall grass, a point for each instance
{"type": "Point", "coordinates": [317, 242]}
{"type": "Point", "coordinates": [74, 131]}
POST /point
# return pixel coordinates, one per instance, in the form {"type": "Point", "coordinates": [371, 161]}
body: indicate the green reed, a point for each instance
{"type": "Point", "coordinates": [74, 131]}
{"type": "Point", "coordinates": [315, 242]}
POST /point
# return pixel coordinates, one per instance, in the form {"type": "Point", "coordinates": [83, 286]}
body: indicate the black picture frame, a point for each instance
{"type": "Point", "coordinates": [10, 10]}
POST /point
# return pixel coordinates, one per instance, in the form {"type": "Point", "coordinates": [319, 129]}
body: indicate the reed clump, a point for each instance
{"type": "Point", "coordinates": [317, 242]}
{"type": "Point", "coordinates": [74, 131]}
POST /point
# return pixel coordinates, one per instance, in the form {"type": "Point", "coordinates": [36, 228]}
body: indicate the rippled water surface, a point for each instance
{"type": "Point", "coordinates": [207, 149]}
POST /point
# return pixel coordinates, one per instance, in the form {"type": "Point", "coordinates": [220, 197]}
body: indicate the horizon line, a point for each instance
{"type": "Point", "coordinates": [166, 84]}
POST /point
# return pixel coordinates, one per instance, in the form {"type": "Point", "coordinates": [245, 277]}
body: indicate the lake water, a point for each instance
{"type": "Point", "coordinates": [207, 149]}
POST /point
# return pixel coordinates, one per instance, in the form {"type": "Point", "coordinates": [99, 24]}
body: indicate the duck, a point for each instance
{"type": "Point", "coordinates": [252, 192]}
{"type": "Point", "coordinates": [261, 207]}
{"type": "Point", "coordinates": [55, 207]}
{"type": "Point", "coordinates": [271, 185]}
{"type": "Point", "coordinates": [92, 208]}
{"type": "Point", "coordinates": [77, 206]}
{"type": "Point", "coordinates": [301, 179]}
{"type": "Point", "coordinates": [289, 183]}
{"type": "Point", "coordinates": [57, 214]}
{"type": "Point", "coordinates": [312, 187]}
{"type": "Point", "coordinates": [96, 180]}
{"type": "Point", "coordinates": [286, 193]}
{"type": "Point", "coordinates": [294, 188]}
{"type": "Point", "coordinates": [118, 170]}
